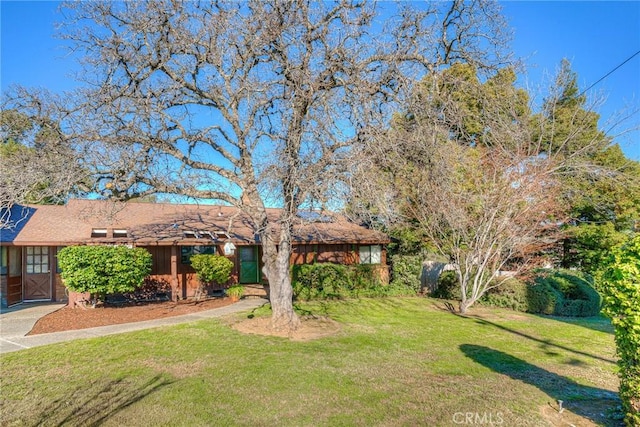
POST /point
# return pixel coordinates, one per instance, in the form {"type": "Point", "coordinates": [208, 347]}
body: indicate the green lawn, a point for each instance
{"type": "Point", "coordinates": [395, 362]}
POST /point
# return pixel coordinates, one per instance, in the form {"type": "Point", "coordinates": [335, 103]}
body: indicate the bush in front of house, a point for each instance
{"type": "Point", "coordinates": [212, 268]}
{"type": "Point", "coordinates": [335, 281]}
{"type": "Point", "coordinates": [407, 270]}
{"type": "Point", "coordinates": [103, 270]}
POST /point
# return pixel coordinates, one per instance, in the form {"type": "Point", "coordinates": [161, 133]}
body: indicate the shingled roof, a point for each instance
{"type": "Point", "coordinates": [98, 221]}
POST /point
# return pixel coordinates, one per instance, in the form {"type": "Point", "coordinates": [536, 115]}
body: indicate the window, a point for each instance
{"type": "Point", "coordinates": [37, 259]}
{"type": "Point", "coordinates": [119, 233]}
{"type": "Point", "coordinates": [99, 232]}
{"type": "Point", "coordinates": [370, 254]}
{"type": "Point", "coordinates": [187, 251]}
{"type": "Point", "coordinates": [3, 260]}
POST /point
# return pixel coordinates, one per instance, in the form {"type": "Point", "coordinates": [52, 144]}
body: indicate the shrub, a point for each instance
{"type": "Point", "coordinates": [103, 270]}
{"type": "Point", "coordinates": [212, 268]}
{"type": "Point", "coordinates": [407, 270]}
{"type": "Point", "coordinates": [579, 298]}
{"type": "Point", "coordinates": [335, 281]}
{"type": "Point", "coordinates": [235, 291]}
{"type": "Point", "coordinates": [526, 297]}
{"type": "Point", "coordinates": [559, 292]}
{"type": "Point", "coordinates": [621, 287]}
{"type": "Point", "coordinates": [542, 298]}
{"type": "Point", "coordinates": [448, 286]}
{"type": "Point", "coordinates": [511, 294]}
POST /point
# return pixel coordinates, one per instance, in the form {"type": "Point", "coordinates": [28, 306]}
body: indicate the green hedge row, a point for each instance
{"type": "Point", "coordinates": [335, 281]}
{"type": "Point", "coordinates": [557, 292]}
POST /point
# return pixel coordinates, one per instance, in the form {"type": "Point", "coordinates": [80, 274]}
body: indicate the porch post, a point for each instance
{"type": "Point", "coordinates": [175, 295]}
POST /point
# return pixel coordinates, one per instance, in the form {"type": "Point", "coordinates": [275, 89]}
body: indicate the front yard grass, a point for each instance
{"type": "Point", "coordinates": [396, 361]}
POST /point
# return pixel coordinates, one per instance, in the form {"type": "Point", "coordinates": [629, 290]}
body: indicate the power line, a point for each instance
{"type": "Point", "coordinates": [609, 73]}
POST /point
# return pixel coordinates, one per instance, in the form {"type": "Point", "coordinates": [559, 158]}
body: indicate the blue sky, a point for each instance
{"type": "Point", "coordinates": [594, 36]}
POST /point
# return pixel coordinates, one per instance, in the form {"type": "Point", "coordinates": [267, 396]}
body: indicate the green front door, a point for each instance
{"type": "Point", "coordinates": [249, 268]}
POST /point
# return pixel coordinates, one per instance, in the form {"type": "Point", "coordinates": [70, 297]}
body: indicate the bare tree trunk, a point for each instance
{"type": "Point", "coordinates": [276, 268]}
{"type": "Point", "coordinates": [464, 305]}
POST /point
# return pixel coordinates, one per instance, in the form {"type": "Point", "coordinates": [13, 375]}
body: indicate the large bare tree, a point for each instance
{"type": "Point", "coordinates": [468, 166]}
{"type": "Point", "coordinates": [257, 103]}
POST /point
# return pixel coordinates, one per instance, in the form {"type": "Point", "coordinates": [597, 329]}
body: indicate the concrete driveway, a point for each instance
{"type": "Point", "coordinates": [17, 321]}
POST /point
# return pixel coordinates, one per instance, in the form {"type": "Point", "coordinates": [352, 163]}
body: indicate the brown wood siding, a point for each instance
{"type": "Point", "coordinates": [308, 254]}
{"type": "Point", "coordinates": [339, 254]}
{"type": "Point", "coordinates": [59, 289]}
{"type": "Point", "coordinates": [303, 254]}
{"type": "Point", "coordinates": [161, 258]}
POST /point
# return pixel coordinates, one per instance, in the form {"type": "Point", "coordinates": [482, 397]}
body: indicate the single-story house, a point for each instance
{"type": "Point", "coordinates": [171, 233]}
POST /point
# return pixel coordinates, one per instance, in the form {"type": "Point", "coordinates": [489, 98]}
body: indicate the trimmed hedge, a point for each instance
{"type": "Point", "coordinates": [336, 281]}
{"type": "Point", "coordinates": [557, 292]}
{"type": "Point", "coordinates": [578, 296]}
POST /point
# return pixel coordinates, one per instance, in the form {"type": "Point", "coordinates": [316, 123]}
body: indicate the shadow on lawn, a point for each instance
{"type": "Point", "coordinates": [545, 344]}
{"type": "Point", "coordinates": [94, 404]}
{"type": "Point", "coordinates": [580, 399]}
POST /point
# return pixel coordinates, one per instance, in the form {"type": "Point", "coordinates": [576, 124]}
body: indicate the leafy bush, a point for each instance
{"type": "Point", "coordinates": [407, 270]}
{"type": "Point", "coordinates": [621, 287]}
{"type": "Point", "coordinates": [542, 298]}
{"type": "Point", "coordinates": [448, 286]}
{"type": "Point", "coordinates": [511, 294]}
{"type": "Point", "coordinates": [526, 297]}
{"type": "Point", "coordinates": [235, 291]}
{"type": "Point", "coordinates": [335, 281]}
{"type": "Point", "coordinates": [559, 292]}
{"type": "Point", "coordinates": [103, 270]}
{"type": "Point", "coordinates": [212, 268]}
{"type": "Point", "coordinates": [579, 298]}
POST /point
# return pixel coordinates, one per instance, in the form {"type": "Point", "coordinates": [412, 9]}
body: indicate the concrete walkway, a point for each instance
{"type": "Point", "coordinates": [15, 323]}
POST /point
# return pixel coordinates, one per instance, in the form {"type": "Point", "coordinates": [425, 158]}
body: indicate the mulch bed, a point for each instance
{"type": "Point", "coordinates": [67, 318]}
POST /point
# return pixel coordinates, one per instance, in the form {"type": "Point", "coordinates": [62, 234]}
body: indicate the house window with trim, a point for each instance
{"type": "Point", "coordinates": [370, 254]}
{"type": "Point", "coordinates": [187, 251]}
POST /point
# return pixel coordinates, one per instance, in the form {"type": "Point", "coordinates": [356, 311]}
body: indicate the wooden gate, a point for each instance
{"type": "Point", "coordinates": [37, 284]}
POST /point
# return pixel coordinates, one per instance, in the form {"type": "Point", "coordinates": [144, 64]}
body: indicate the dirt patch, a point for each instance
{"type": "Point", "coordinates": [68, 318]}
{"type": "Point", "coordinates": [311, 327]}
